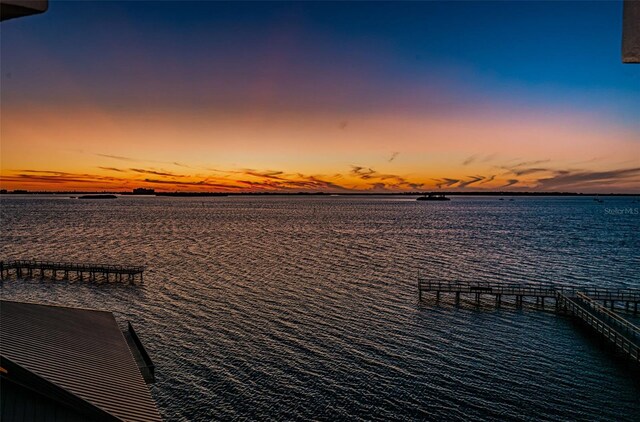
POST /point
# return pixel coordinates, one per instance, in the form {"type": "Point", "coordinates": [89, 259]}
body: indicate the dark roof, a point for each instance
{"type": "Point", "coordinates": [19, 404]}
{"type": "Point", "coordinates": [26, 397]}
{"type": "Point", "coordinates": [80, 351]}
{"type": "Point", "coordinates": [10, 9]}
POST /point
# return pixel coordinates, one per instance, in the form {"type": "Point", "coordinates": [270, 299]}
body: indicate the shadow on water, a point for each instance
{"type": "Point", "coordinates": [608, 353]}
{"type": "Point", "coordinates": [619, 361]}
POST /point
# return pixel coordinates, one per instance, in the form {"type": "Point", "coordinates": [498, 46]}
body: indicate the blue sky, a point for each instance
{"type": "Point", "coordinates": [533, 62]}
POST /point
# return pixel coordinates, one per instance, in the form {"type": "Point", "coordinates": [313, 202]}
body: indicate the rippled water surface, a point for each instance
{"type": "Point", "coordinates": [298, 308]}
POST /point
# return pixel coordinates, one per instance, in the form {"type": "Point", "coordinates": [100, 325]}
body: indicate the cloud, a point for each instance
{"type": "Point", "coordinates": [318, 182]}
{"type": "Point", "coordinates": [393, 156]}
{"type": "Point", "coordinates": [525, 171]}
{"type": "Point", "coordinates": [379, 186]}
{"type": "Point", "coordinates": [383, 180]}
{"type": "Point", "coordinates": [488, 179]}
{"type": "Point", "coordinates": [267, 174]}
{"type": "Point", "coordinates": [295, 182]}
{"type": "Point", "coordinates": [530, 163]}
{"type": "Point", "coordinates": [478, 158]}
{"type": "Point", "coordinates": [30, 178]}
{"type": "Point", "coordinates": [469, 160]}
{"type": "Point", "coordinates": [577, 178]}
{"type": "Point", "coordinates": [200, 183]}
{"type": "Point", "coordinates": [524, 168]}
{"type": "Point", "coordinates": [116, 157]}
{"type": "Point", "coordinates": [59, 177]}
{"type": "Point", "coordinates": [156, 173]}
{"type": "Point", "coordinates": [362, 172]}
{"type": "Point", "coordinates": [359, 178]}
{"type": "Point", "coordinates": [133, 159]}
{"type": "Point", "coordinates": [446, 182]}
{"type": "Point", "coordinates": [48, 172]}
{"type": "Point", "coordinates": [474, 179]}
{"type": "Point", "coordinates": [270, 180]}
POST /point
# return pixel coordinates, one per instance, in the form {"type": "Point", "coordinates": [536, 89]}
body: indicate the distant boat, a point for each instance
{"type": "Point", "coordinates": [98, 197]}
{"type": "Point", "coordinates": [433, 197]}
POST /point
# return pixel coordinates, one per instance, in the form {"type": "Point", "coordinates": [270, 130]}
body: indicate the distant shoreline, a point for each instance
{"type": "Point", "coordinates": [223, 194]}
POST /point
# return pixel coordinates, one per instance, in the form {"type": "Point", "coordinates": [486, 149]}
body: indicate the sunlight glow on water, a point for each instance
{"type": "Point", "coordinates": [297, 308]}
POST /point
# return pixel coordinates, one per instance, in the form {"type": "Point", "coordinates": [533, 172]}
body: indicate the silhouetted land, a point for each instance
{"type": "Point", "coordinates": [191, 194]}
{"type": "Point", "coordinates": [98, 197]}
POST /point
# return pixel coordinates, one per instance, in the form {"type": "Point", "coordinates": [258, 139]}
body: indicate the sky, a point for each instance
{"type": "Point", "coordinates": [334, 97]}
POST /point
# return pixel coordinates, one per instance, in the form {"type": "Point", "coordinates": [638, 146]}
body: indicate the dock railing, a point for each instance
{"type": "Point", "coordinates": [579, 301]}
{"type": "Point", "coordinates": [26, 268]}
{"type": "Point", "coordinates": [608, 327]}
{"type": "Point", "coordinates": [70, 266]}
{"type": "Point", "coordinates": [622, 325]}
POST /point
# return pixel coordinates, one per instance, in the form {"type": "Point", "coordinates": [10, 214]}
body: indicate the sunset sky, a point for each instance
{"type": "Point", "coordinates": [332, 97]}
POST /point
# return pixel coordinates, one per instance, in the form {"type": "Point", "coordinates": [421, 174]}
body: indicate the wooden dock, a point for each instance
{"type": "Point", "coordinates": [54, 270]}
{"type": "Point", "coordinates": [593, 306]}
{"type": "Point", "coordinates": [621, 333]}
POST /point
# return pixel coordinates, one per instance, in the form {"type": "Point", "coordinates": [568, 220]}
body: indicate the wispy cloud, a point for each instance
{"type": "Point", "coordinates": [526, 171]}
{"type": "Point", "coordinates": [488, 179]}
{"type": "Point", "coordinates": [268, 174]}
{"type": "Point", "coordinates": [362, 172]}
{"type": "Point", "coordinates": [478, 158]}
{"type": "Point", "coordinates": [53, 177]}
{"type": "Point", "coordinates": [357, 178]}
{"type": "Point", "coordinates": [471, 181]}
{"type": "Point", "coordinates": [524, 168]}
{"type": "Point", "coordinates": [200, 183]}
{"type": "Point", "coordinates": [394, 155]}
{"type": "Point", "coordinates": [116, 157]}
{"type": "Point", "coordinates": [300, 182]}
{"type": "Point", "coordinates": [531, 163]}
{"type": "Point", "coordinates": [383, 181]}
{"type": "Point", "coordinates": [577, 178]}
{"type": "Point", "coordinates": [469, 160]}
{"type": "Point", "coordinates": [157, 173]}
{"type": "Point", "coordinates": [47, 172]}
{"type": "Point", "coordinates": [446, 182]}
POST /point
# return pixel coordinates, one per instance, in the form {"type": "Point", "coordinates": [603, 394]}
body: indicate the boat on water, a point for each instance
{"type": "Point", "coordinates": [433, 197]}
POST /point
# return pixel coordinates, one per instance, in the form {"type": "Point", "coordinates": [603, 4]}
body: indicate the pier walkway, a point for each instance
{"type": "Point", "coordinates": [66, 270]}
{"type": "Point", "coordinates": [624, 335]}
{"type": "Point", "coordinates": [582, 303]}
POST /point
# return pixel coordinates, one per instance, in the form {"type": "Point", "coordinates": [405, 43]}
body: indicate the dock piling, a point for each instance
{"type": "Point", "coordinates": [26, 268]}
{"type": "Point", "coordinates": [582, 303]}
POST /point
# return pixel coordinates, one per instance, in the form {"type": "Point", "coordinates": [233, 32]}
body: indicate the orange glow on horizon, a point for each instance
{"type": "Point", "coordinates": [71, 148]}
